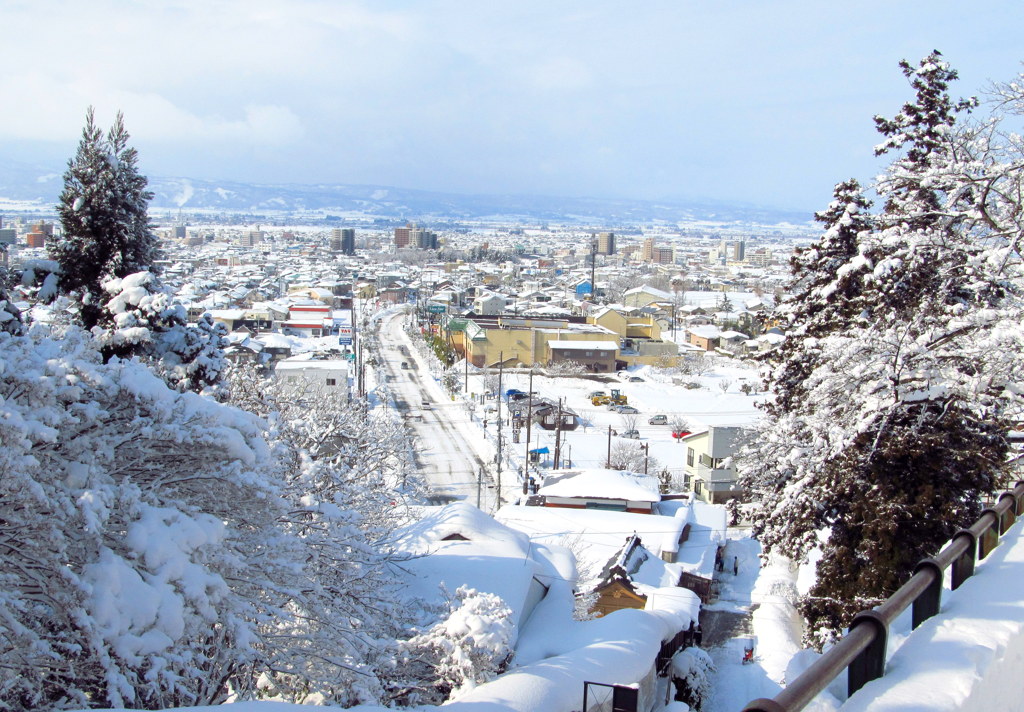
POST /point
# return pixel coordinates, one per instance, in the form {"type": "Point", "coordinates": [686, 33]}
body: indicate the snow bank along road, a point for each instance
{"type": "Point", "coordinates": [451, 454]}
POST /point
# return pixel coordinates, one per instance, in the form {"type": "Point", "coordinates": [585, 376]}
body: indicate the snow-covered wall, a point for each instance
{"type": "Point", "coordinates": [970, 657]}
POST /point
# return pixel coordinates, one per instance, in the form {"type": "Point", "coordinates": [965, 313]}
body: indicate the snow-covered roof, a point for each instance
{"type": "Point", "coordinates": [653, 291]}
{"type": "Point", "coordinates": [457, 544]}
{"type": "Point", "coordinates": [706, 332]}
{"type": "Point", "coordinates": [228, 314]}
{"type": "Point", "coordinates": [601, 483]}
{"type": "Point", "coordinates": [273, 340]}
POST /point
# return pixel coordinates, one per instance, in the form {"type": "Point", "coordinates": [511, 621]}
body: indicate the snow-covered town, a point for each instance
{"type": "Point", "coordinates": [273, 440]}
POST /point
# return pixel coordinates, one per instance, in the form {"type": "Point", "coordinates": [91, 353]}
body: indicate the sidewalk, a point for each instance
{"type": "Point", "coordinates": [753, 604]}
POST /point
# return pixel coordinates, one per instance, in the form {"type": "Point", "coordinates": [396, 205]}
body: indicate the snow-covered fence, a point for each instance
{"type": "Point", "coordinates": [862, 651]}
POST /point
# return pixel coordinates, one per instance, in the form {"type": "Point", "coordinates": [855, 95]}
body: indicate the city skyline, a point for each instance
{"type": "Point", "coordinates": [767, 104]}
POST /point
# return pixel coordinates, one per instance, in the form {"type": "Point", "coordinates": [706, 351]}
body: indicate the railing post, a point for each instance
{"type": "Point", "coordinates": [927, 604]}
{"type": "Point", "coordinates": [870, 664]}
{"type": "Point", "coordinates": [963, 565]}
{"type": "Point", "coordinates": [1010, 515]}
{"type": "Point", "coordinates": [990, 536]}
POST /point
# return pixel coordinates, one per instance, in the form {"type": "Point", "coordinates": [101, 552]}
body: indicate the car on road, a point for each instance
{"type": "Point", "coordinates": [405, 365]}
{"type": "Point", "coordinates": [659, 419]}
{"type": "Point", "coordinates": [632, 434]}
{"type": "Point", "coordinates": [425, 405]}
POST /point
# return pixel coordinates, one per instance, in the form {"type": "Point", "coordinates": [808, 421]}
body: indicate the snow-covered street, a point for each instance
{"type": "Point", "coordinates": [450, 452]}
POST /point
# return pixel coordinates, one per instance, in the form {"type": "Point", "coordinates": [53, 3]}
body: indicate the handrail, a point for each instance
{"type": "Point", "coordinates": [862, 650]}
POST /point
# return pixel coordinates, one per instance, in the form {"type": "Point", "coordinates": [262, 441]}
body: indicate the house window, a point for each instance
{"type": "Point", "coordinates": [589, 353]}
{"type": "Point", "coordinates": [331, 382]}
{"type": "Point", "coordinates": [607, 506]}
{"type": "Point", "coordinates": [689, 456]}
{"type": "Point", "coordinates": [698, 486]}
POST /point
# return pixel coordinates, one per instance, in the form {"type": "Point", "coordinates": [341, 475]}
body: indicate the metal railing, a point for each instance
{"type": "Point", "coordinates": [862, 651]}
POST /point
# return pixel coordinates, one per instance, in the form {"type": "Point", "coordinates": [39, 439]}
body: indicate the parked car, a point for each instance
{"type": "Point", "coordinates": [632, 434]}
{"type": "Point", "coordinates": [659, 419]}
{"type": "Point", "coordinates": [626, 410]}
{"type": "Point", "coordinates": [635, 379]}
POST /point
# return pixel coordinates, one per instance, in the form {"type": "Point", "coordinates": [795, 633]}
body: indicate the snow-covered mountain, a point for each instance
{"type": "Point", "coordinates": [42, 185]}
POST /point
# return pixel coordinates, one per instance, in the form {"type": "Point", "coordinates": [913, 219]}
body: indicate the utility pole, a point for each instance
{"type": "Point", "coordinates": [608, 460]}
{"type": "Point", "coordinates": [501, 370]}
{"type": "Point", "coordinates": [465, 354]}
{"type": "Point", "coordinates": [646, 447]}
{"type": "Point", "coordinates": [529, 420]}
{"type": "Point", "coordinates": [479, 485]}
{"type": "Point", "coordinates": [593, 268]}
{"type": "Point", "coordinates": [558, 437]}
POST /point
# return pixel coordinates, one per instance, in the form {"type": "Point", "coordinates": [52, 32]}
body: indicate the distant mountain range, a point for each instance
{"type": "Point", "coordinates": [20, 183]}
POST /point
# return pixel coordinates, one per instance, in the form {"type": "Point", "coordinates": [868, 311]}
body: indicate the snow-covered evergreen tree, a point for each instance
{"type": "Point", "coordinates": [103, 215]}
{"type": "Point", "coordinates": [10, 315]}
{"type": "Point", "coordinates": [892, 400]}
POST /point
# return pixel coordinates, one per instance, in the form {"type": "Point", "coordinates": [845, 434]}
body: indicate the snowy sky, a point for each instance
{"type": "Point", "coordinates": [762, 102]}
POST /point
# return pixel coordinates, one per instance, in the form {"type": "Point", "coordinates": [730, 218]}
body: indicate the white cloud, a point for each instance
{"type": "Point", "coordinates": [52, 110]}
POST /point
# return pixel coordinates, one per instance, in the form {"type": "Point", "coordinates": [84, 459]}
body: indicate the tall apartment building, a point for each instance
{"type": "Point", "coordinates": [415, 237]}
{"type": "Point", "coordinates": [402, 236]}
{"type": "Point", "coordinates": [647, 252]}
{"type": "Point", "coordinates": [606, 243]}
{"type": "Point", "coordinates": [252, 238]}
{"type": "Point", "coordinates": [663, 255]}
{"type": "Point", "coordinates": [36, 237]}
{"type": "Point", "coordinates": [343, 239]}
{"type": "Point", "coordinates": [733, 250]}
{"type": "Point", "coordinates": [8, 235]}
{"type": "Point", "coordinates": [424, 239]}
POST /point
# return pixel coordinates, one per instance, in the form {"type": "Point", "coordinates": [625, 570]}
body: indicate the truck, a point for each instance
{"type": "Point", "coordinates": [616, 398]}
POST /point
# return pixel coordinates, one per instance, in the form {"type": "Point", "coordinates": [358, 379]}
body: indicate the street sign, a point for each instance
{"type": "Point", "coordinates": [436, 308]}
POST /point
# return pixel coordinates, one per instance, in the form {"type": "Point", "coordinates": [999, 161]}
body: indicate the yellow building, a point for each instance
{"type": "Point", "coordinates": [515, 341]}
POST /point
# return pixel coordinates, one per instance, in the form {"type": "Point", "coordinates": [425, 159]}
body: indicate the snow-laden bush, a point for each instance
{"type": "Point", "coordinates": [160, 549]}
{"type": "Point", "coordinates": [471, 645]}
{"type": "Point", "coordinates": [691, 673]}
{"type": "Point", "coordinates": [142, 320]}
{"type": "Point", "coordinates": [137, 533]}
{"type": "Point", "coordinates": [345, 472]}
